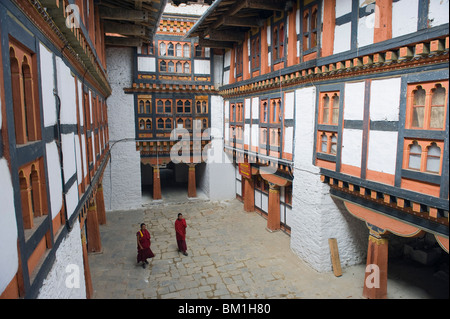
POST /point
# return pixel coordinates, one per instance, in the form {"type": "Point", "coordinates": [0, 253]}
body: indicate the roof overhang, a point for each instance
{"type": "Point", "coordinates": [226, 21]}
{"type": "Point", "coordinates": [130, 22]}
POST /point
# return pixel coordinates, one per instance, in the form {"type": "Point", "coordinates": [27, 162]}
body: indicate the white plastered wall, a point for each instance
{"type": "Point", "coordinates": [8, 227]}
{"type": "Point", "coordinates": [65, 279]}
{"type": "Point", "coordinates": [315, 216]}
{"type": "Point", "coordinates": [219, 171]}
{"type": "Point", "coordinates": [122, 176]}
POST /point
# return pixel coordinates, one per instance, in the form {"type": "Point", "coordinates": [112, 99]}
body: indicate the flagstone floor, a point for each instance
{"type": "Point", "coordinates": [231, 255]}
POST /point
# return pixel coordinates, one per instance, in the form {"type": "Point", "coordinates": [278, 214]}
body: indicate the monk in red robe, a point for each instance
{"type": "Point", "coordinates": [143, 245]}
{"type": "Point", "coordinates": [180, 230]}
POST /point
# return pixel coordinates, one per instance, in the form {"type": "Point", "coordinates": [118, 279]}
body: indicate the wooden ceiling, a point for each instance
{"type": "Point", "coordinates": [130, 22]}
{"type": "Point", "coordinates": [226, 21]}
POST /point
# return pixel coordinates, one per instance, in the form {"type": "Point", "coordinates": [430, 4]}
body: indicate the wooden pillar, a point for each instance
{"type": "Point", "coordinates": [87, 270]}
{"type": "Point", "coordinates": [101, 213]}
{"type": "Point", "coordinates": [273, 218]}
{"type": "Point", "coordinates": [192, 188]}
{"type": "Point", "coordinates": [249, 194]}
{"type": "Point", "coordinates": [93, 230]}
{"type": "Point", "coordinates": [375, 279]}
{"type": "Point", "coordinates": [383, 21]}
{"type": "Point", "coordinates": [156, 183]}
{"type": "Point", "coordinates": [329, 24]}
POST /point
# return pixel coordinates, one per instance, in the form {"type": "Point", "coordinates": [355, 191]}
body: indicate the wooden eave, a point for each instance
{"type": "Point", "coordinates": [133, 21]}
{"type": "Point", "coordinates": [227, 21]}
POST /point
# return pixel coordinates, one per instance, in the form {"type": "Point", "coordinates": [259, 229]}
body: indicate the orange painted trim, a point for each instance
{"type": "Point", "coordinates": [351, 170]}
{"type": "Point", "coordinates": [329, 24]}
{"type": "Point", "coordinates": [264, 48]}
{"type": "Point", "coordinates": [326, 164]}
{"type": "Point", "coordinates": [278, 66]}
{"type": "Point", "coordinates": [310, 56]}
{"type": "Point", "coordinates": [232, 65]}
{"type": "Point", "coordinates": [12, 290]}
{"type": "Point", "coordinates": [36, 256]}
{"type": "Point", "coordinates": [245, 59]}
{"type": "Point", "coordinates": [443, 242]}
{"type": "Point", "coordinates": [383, 21]}
{"type": "Point", "coordinates": [292, 37]}
{"type": "Point", "coordinates": [381, 177]}
{"type": "Point", "coordinates": [378, 219]}
{"type": "Point", "coordinates": [275, 179]}
{"type": "Point", "coordinates": [287, 156]}
{"type": "Point", "coordinates": [420, 187]}
{"type": "Point", "coordinates": [56, 223]}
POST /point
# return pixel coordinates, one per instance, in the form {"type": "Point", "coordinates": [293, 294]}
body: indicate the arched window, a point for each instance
{"type": "Point", "coordinates": [433, 158]}
{"type": "Point", "coordinates": [233, 113]}
{"type": "Point", "coordinates": [168, 124]}
{"type": "Point", "coordinates": [324, 143]}
{"type": "Point", "coordinates": [141, 106]}
{"type": "Point", "coordinates": [160, 106]}
{"type": "Point", "coordinates": [160, 124]}
{"type": "Point", "coordinates": [188, 123]}
{"type": "Point", "coordinates": [162, 49]}
{"type": "Point", "coordinates": [148, 107]}
{"type": "Point", "coordinates": [198, 51]}
{"type": "Point", "coordinates": [274, 111]}
{"type": "Point", "coordinates": [179, 123]}
{"type": "Point", "coordinates": [170, 49]}
{"type": "Point", "coordinates": [264, 115]}
{"type": "Point", "coordinates": [168, 106]}
{"type": "Point", "coordinates": [205, 123]}
{"type": "Point", "coordinates": [264, 136]}
{"type": "Point", "coordinates": [186, 51]}
{"type": "Point", "coordinates": [437, 107]}
{"type": "Point", "coordinates": [187, 106]}
{"type": "Point", "coordinates": [171, 67]}
{"type": "Point", "coordinates": [281, 37]}
{"type": "Point", "coordinates": [418, 110]}
{"type": "Point", "coordinates": [275, 43]}
{"type": "Point", "coordinates": [180, 106]}
{"type": "Point", "coordinates": [198, 107]}
{"type": "Point", "coordinates": [179, 50]}
{"type": "Point", "coordinates": [314, 27]}
{"type": "Point", "coordinates": [415, 155]}
{"type": "Point", "coordinates": [141, 124]}
{"type": "Point", "coordinates": [179, 67]}
{"type": "Point", "coordinates": [333, 144]}
{"type": "Point", "coordinates": [148, 124]}
{"type": "Point", "coordinates": [186, 67]}
{"type": "Point", "coordinates": [335, 114]}
{"type": "Point", "coordinates": [204, 107]}
{"type": "Point", "coordinates": [325, 108]}
{"type": "Point", "coordinates": [163, 66]}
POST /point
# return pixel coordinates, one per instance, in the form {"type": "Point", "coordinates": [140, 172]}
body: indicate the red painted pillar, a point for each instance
{"type": "Point", "coordinates": [273, 218]}
{"type": "Point", "coordinates": [249, 194]}
{"type": "Point", "coordinates": [94, 244]}
{"type": "Point", "coordinates": [156, 183]}
{"type": "Point", "coordinates": [375, 279]}
{"type": "Point", "coordinates": [192, 188]}
{"type": "Point", "coordinates": [101, 214]}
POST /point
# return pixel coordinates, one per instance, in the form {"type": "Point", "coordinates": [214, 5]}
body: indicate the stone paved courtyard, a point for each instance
{"type": "Point", "coordinates": [231, 255]}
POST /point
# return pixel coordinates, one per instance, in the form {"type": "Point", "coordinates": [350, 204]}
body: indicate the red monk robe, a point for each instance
{"type": "Point", "coordinates": [144, 251]}
{"type": "Point", "coordinates": [180, 230]}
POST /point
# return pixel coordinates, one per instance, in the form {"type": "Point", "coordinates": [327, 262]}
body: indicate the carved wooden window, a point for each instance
{"type": "Point", "coordinates": [310, 27]}
{"type": "Point", "coordinates": [186, 50]}
{"type": "Point", "coordinates": [255, 52]}
{"type": "Point", "coordinates": [264, 111]}
{"type": "Point", "coordinates": [239, 60]}
{"type": "Point", "coordinates": [24, 87]}
{"type": "Point", "coordinates": [275, 110]}
{"type": "Point", "coordinates": [424, 155]}
{"type": "Point", "coordinates": [427, 105]}
{"type": "Point", "coordinates": [329, 108]}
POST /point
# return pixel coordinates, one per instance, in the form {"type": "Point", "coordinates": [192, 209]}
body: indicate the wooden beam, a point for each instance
{"type": "Point", "coordinates": [239, 22]}
{"type": "Point", "coordinates": [214, 44]}
{"type": "Point", "coordinates": [274, 5]}
{"type": "Point", "coordinates": [125, 29]}
{"type": "Point", "coordinates": [226, 36]}
{"type": "Point", "coordinates": [123, 41]}
{"type": "Point", "coordinates": [123, 14]}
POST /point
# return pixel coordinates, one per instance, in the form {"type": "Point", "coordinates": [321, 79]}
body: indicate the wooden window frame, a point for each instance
{"type": "Point", "coordinates": [424, 144]}
{"type": "Point", "coordinates": [157, 111]}
{"type": "Point", "coordinates": [255, 51]}
{"type": "Point", "coordinates": [25, 93]}
{"type": "Point", "coordinates": [331, 108]}
{"type": "Point", "coordinates": [308, 31]}
{"type": "Point", "coordinates": [278, 42]}
{"type": "Point", "coordinates": [428, 87]}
